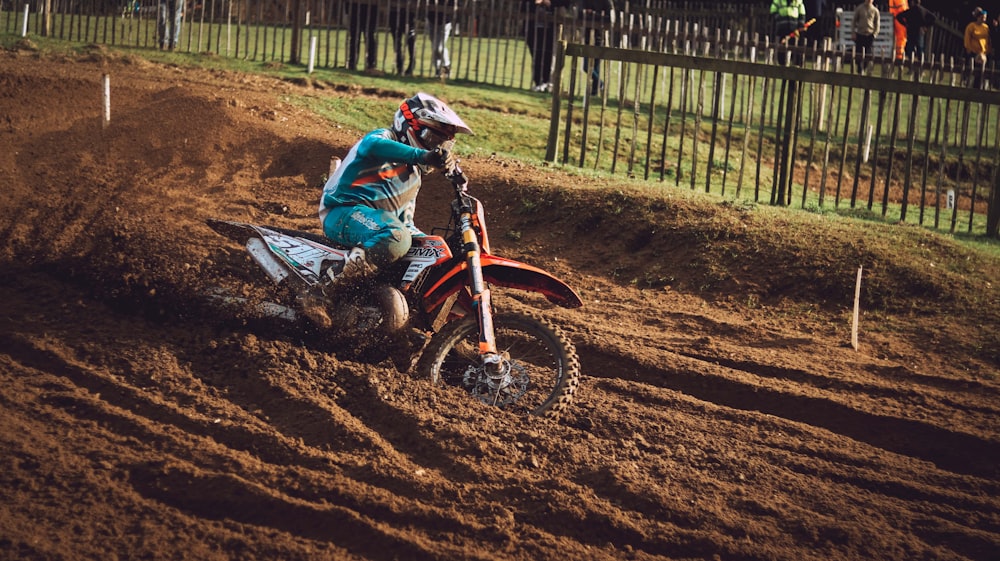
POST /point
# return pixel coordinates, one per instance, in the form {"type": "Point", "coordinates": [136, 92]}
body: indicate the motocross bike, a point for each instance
{"type": "Point", "coordinates": [436, 302]}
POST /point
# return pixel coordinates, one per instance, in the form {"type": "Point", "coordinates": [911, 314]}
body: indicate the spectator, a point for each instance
{"type": "Point", "coordinates": [402, 24]}
{"type": "Point", "coordinates": [363, 20]}
{"type": "Point", "coordinates": [789, 16]}
{"type": "Point", "coordinates": [540, 34]}
{"type": "Point", "coordinates": [168, 23]}
{"type": "Point", "coordinates": [897, 7]}
{"type": "Point", "coordinates": [598, 24]}
{"type": "Point", "coordinates": [867, 20]}
{"type": "Point", "coordinates": [916, 20]}
{"type": "Point", "coordinates": [439, 18]}
{"type": "Point", "coordinates": [977, 44]}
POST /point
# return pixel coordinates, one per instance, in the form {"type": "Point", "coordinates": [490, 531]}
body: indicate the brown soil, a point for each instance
{"type": "Point", "coordinates": [723, 414]}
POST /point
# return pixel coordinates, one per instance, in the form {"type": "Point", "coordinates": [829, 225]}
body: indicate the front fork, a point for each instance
{"type": "Point", "coordinates": [481, 301]}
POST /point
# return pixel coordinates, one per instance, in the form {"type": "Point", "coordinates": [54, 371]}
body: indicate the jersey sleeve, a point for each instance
{"type": "Point", "coordinates": [380, 145]}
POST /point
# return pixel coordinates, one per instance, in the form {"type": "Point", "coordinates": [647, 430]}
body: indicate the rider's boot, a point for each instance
{"type": "Point", "coordinates": [312, 302]}
{"type": "Point", "coordinates": [356, 268]}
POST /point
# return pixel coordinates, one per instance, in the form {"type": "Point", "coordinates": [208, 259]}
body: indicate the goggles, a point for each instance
{"type": "Point", "coordinates": [432, 139]}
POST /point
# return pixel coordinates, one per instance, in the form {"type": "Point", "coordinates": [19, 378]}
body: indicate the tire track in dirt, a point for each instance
{"type": "Point", "coordinates": [711, 379]}
{"type": "Point", "coordinates": [190, 480]}
{"type": "Point", "coordinates": [806, 464]}
{"type": "Point", "coordinates": [225, 496]}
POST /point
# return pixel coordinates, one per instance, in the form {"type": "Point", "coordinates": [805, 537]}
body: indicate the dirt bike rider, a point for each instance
{"type": "Point", "coordinates": [368, 203]}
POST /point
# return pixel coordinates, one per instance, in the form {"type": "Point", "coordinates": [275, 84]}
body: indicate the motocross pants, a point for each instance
{"type": "Point", "coordinates": [381, 234]}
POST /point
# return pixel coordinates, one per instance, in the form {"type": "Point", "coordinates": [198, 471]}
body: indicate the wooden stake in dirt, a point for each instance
{"type": "Point", "coordinates": [106, 80]}
{"type": "Point", "coordinates": [857, 305]}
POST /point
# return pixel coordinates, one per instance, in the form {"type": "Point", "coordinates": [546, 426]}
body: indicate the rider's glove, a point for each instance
{"type": "Point", "coordinates": [441, 159]}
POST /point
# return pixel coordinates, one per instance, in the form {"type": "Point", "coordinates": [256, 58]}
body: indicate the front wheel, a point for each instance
{"type": "Point", "coordinates": [540, 369]}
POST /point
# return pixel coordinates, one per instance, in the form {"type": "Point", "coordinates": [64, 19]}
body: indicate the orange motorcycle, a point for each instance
{"type": "Point", "coordinates": [436, 304]}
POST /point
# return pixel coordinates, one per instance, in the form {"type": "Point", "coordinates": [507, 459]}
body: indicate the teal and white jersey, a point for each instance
{"type": "Point", "coordinates": [379, 172]}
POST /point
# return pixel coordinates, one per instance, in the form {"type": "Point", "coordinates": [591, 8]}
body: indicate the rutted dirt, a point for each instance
{"type": "Point", "coordinates": [721, 416]}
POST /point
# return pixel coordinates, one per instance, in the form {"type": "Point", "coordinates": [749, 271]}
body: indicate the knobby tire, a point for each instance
{"type": "Point", "coordinates": [538, 349]}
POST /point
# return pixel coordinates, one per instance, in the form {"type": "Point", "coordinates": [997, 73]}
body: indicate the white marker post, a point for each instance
{"type": "Point", "coordinates": [107, 100]}
{"type": "Point", "coordinates": [312, 53]}
{"type": "Point", "coordinates": [868, 143]}
{"type": "Point", "coordinates": [24, 28]}
{"type": "Point", "coordinates": [857, 306]}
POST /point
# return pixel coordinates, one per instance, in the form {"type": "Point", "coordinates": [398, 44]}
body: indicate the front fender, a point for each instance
{"type": "Point", "coordinates": [507, 273]}
{"type": "Point", "coordinates": [514, 274]}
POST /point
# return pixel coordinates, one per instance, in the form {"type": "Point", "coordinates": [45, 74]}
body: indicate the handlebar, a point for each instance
{"type": "Point", "coordinates": [456, 175]}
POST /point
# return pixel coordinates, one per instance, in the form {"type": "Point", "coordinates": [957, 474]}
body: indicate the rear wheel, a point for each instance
{"type": "Point", "coordinates": [539, 371]}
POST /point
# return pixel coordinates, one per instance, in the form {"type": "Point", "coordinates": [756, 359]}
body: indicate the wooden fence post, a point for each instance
{"type": "Point", "coordinates": [993, 206]}
{"type": "Point", "coordinates": [786, 159]}
{"type": "Point", "coordinates": [560, 61]}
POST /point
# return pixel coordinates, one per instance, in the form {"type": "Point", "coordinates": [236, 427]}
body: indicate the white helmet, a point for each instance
{"type": "Point", "coordinates": [424, 121]}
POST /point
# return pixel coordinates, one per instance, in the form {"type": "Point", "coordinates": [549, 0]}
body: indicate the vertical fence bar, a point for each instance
{"type": "Point", "coordinates": [716, 108]}
{"type": "Point", "coordinates": [729, 130]}
{"type": "Point", "coordinates": [636, 113]}
{"type": "Point", "coordinates": [696, 127]}
{"type": "Point", "coordinates": [882, 96]}
{"type": "Point", "coordinates": [925, 169]}
{"type": "Point", "coordinates": [780, 143]}
{"type": "Point", "coordinates": [961, 166]}
{"type": "Point", "coordinates": [666, 125]}
{"type": "Point", "coordinates": [622, 88]}
{"type": "Point", "coordinates": [843, 147]}
{"type": "Point", "coordinates": [982, 126]}
{"type": "Point", "coordinates": [863, 136]}
{"type": "Point", "coordinates": [813, 123]}
{"type": "Point", "coordinates": [908, 166]}
{"type": "Point", "coordinates": [747, 124]}
{"type": "Point", "coordinates": [683, 109]}
{"type": "Point", "coordinates": [892, 152]}
{"type": "Point", "coordinates": [652, 118]}
{"type": "Point", "coordinates": [760, 138]}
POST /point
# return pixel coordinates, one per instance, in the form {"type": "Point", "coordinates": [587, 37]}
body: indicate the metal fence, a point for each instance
{"type": "Point", "coordinates": [906, 142]}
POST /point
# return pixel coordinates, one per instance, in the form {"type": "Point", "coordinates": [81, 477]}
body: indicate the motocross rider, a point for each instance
{"type": "Point", "coordinates": [368, 203]}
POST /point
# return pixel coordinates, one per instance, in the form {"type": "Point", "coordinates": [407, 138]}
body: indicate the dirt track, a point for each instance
{"type": "Point", "coordinates": [137, 424]}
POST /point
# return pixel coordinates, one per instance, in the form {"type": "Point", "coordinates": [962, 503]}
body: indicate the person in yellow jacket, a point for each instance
{"type": "Point", "coordinates": [977, 37]}
{"type": "Point", "coordinates": [977, 44]}
{"type": "Point", "coordinates": [789, 16]}
{"type": "Point", "coordinates": [897, 7]}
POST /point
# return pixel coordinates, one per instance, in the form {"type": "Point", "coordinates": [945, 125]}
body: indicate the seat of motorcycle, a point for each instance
{"type": "Point", "coordinates": [318, 238]}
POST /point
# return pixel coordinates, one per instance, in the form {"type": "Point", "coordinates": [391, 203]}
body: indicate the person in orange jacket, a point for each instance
{"type": "Point", "coordinates": [897, 7]}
